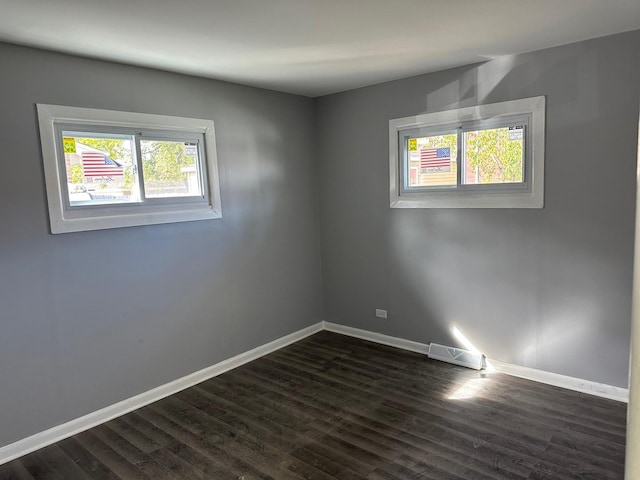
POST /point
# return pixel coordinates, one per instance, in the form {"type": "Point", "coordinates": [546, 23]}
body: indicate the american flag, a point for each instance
{"type": "Point", "coordinates": [96, 164]}
{"type": "Point", "coordinates": [435, 158]}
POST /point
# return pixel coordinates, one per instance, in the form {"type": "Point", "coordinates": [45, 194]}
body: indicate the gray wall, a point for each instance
{"type": "Point", "coordinates": [549, 289]}
{"type": "Point", "coordinates": [88, 319]}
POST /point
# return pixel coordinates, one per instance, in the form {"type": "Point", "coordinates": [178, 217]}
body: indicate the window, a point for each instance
{"type": "Point", "coordinates": [489, 156]}
{"type": "Point", "coordinates": [107, 169]}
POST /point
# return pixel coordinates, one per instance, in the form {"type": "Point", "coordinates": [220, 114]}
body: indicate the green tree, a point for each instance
{"type": "Point", "coordinates": [162, 161]}
{"type": "Point", "coordinates": [77, 175]}
{"type": "Point", "coordinates": [493, 156]}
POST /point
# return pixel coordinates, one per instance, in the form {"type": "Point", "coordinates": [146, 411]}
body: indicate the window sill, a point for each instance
{"type": "Point", "coordinates": [69, 223]}
{"type": "Point", "coordinates": [474, 200]}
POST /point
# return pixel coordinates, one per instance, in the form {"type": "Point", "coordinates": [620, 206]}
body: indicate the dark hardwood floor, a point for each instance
{"type": "Point", "coordinates": [334, 407]}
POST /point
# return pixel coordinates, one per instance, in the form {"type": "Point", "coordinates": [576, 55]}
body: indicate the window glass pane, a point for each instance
{"type": "Point", "coordinates": [494, 155]}
{"type": "Point", "coordinates": [100, 168]}
{"type": "Point", "coordinates": [432, 161]}
{"type": "Point", "coordinates": [170, 168]}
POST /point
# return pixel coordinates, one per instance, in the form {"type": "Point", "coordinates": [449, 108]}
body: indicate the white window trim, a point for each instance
{"type": "Point", "coordinates": [62, 220]}
{"type": "Point", "coordinates": [533, 198]}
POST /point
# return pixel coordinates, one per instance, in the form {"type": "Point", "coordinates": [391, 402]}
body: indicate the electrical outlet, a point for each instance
{"type": "Point", "coordinates": [381, 313]}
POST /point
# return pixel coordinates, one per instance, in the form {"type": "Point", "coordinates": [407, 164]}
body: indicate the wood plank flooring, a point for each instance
{"type": "Point", "coordinates": [333, 407]}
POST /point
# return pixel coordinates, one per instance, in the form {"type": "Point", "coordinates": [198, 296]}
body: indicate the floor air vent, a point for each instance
{"type": "Point", "coordinates": [456, 355]}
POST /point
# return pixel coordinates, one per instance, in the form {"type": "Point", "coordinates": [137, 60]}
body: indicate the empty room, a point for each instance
{"type": "Point", "coordinates": [319, 239]}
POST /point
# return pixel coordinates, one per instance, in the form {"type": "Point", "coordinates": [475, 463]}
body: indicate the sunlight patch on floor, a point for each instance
{"type": "Point", "coordinates": [474, 386]}
{"type": "Point", "coordinates": [470, 389]}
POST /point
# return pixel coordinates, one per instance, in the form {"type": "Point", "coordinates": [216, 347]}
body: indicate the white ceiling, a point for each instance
{"type": "Point", "coordinates": [309, 47]}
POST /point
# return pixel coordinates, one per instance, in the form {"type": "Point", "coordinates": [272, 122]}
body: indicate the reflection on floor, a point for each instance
{"type": "Point", "coordinates": [335, 407]}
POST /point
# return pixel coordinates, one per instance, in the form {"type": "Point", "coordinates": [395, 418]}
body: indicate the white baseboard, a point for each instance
{"type": "Point", "coordinates": [377, 337]}
{"type": "Point", "coordinates": [555, 379]}
{"type": "Point", "coordinates": [571, 383]}
{"type": "Point", "coordinates": [60, 432]}
{"type": "Point", "coordinates": [73, 427]}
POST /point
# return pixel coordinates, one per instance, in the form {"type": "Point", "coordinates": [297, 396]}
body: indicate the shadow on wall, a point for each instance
{"type": "Point", "coordinates": [527, 287]}
{"type": "Point", "coordinates": [119, 302]}
{"type": "Point", "coordinates": [518, 76]}
{"type": "Point", "coordinates": [470, 273]}
{"type": "Point", "coordinates": [482, 276]}
{"type": "Point", "coordinates": [521, 76]}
